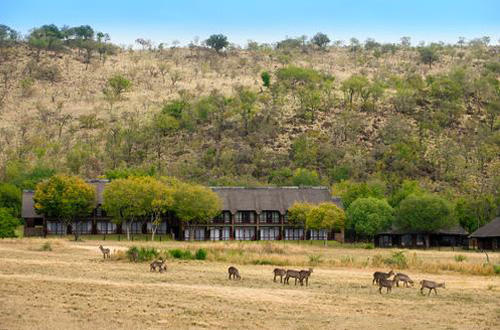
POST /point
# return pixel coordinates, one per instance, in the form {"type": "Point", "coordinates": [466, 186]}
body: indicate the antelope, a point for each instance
{"type": "Point", "coordinates": [292, 273]}
{"type": "Point", "coordinates": [403, 278]}
{"type": "Point", "coordinates": [377, 276]}
{"type": "Point", "coordinates": [105, 252]}
{"type": "Point", "coordinates": [385, 283]}
{"type": "Point", "coordinates": [158, 263]}
{"type": "Point", "coordinates": [233, 271]}
{"type": "Point", "coordinates": [431, 285]}
{"type": "Point", "coordinates": [304, 275]}
{"type": "Point", "coordinates": [279, 272]}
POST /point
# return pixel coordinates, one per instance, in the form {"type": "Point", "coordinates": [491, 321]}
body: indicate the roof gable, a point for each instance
{"type": "Point", "coordinates": [491, 229]}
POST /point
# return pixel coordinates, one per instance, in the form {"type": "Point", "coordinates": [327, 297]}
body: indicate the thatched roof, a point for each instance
{"type": "Point", "coordinates": [271, 198]}
{"type": "Point", "coordinates": [28, 204]}
{"type": "Point", "coordinates": [491, 229]}
{"type": "Point", "coordinates": [234, 198]}
{"type": "Point", "coordinates": [455, 230]}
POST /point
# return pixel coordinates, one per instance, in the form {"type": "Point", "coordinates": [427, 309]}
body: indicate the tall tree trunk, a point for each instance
{"type": "Point", "coordinates": [127, 226]}
{"type": "Point", "coordinates": [75, 230]}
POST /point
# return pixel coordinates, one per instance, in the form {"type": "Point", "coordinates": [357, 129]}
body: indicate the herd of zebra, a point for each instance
{"type": "Point", "coordinates": [380, 278]}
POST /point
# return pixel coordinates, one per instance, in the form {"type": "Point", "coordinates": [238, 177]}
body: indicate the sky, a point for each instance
{"type": "Point", "coordinates": [263, 20]}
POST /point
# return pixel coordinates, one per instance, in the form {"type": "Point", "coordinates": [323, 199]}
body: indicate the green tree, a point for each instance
{"type": "Point", "coordinates": [428, 55]}
{"type": "Point", "coordinates": [349, 191]}
{"type": "Point", "coordinates": [266, 79]}
{"type": "Point", "coordinates": [66, 198]}
{"type": "Point", "coordinates": [408, 187]}
{"type": "Point", "coordinates": [305, 177]}
{"type": "Point", "coordinates": [245, 104]}
{"type": "Point", "coordinates": [425, 213]}
{"type": "Point", "coordinates": [160, 201]}
{"type": "Point", "coordinates": [325, 216]}
{"type": "Point", "coordinates": [8, 223]}
{"type": "Point", "coordinates": [115, 87]}
{"type": "Point", "coordinates": [354, 86]}
{"type": "Point", "coordinates": [298, 213]}
{"type": "Point", "coordinates": [195, 204]}
{"type": "Point", "coordinates": [217, 42]}
{"type": "Point", "coordinates": [8, 36]}
{"type": "Point", "coordinates": [473, 212]}
{"type": "Point", "coordinates": [368, 216]}
{"type": "Point", "coordinates": [126, 200]}
{"type": "Point", "coordinates": [321, 40]}
{"type": "Point", "coordinates": [10, 198]}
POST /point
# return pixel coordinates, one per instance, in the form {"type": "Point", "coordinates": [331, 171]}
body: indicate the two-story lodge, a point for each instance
{"type": "Point", "coordinates": [248, 214]}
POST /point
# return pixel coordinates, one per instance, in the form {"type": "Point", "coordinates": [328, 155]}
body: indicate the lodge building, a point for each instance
{"type": "Point", "coordinates": [247, 214]}
{"type": "Point", "coordinates": [451, 237]}
{"type": "Point", "coordinates": [488, 236]}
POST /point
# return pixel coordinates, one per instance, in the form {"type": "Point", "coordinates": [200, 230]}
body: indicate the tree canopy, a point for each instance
{"type": "Point", "coordinates": [65, 198]}
{"type": "Point", "coordinates": [424, 213]}
{"type": "Point", "coordinates": [217, 42]}
{"type": "Point", "coordinates": [368, 216]}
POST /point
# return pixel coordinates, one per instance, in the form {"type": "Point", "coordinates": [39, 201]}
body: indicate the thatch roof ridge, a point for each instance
{"type": "Point", "coordinates": [491, 229]}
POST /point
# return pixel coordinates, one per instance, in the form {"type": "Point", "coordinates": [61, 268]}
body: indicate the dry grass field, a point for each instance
{"type": "Point", "coordinates": [72, 287]}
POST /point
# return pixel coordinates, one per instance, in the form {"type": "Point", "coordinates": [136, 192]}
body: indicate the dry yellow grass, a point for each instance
{"type": "Point", "coordinates": [71, 287]}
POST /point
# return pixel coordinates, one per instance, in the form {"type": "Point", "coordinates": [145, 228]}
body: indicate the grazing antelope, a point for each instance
{"type": "Point", "coordinates": [304, 275]}
{"type": "Point", "coordinates": [292, 273]}
{"type": "Point", "coordinates": [279, 272]}
{"type": "Point", "coordinates": [158, 263]}
{"type": "Point", "coordinates": [105, 252]}
{"type": "Point", "coordinates": [431, 285]}
{"type": "Point", "coordinates": [385, 283]}
{"type": "Point", "coordinates": [403, 278]}
{"type": "Point", "coordinates": [377, 276]}
{"type": "Point", "coordinates": [233, 271]}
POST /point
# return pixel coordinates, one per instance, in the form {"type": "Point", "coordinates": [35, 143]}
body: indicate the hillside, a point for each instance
{"type": "Point", "coordinates": [361, 113]}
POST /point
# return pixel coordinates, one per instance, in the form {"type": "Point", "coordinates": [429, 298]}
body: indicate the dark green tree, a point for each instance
{"type": "Point", "coordinates": [8, 223]}
{"type": "Point", "coordinates": [368, 216]}
{"type": "Point", "coordinates": [424, 213]}
{"type": "Point", "coordinates": [428, 55]}
{"type": "Point", "coordinates": [217, 42]}
{"type": "Point", "coordinates": [321, 40]}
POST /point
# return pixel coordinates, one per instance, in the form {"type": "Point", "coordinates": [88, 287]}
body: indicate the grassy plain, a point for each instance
{"type": "Point", "coordinates": [71, 287]}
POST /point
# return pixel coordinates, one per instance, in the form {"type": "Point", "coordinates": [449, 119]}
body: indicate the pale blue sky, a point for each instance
{"type": "Point", "coordinates": [263, 20]}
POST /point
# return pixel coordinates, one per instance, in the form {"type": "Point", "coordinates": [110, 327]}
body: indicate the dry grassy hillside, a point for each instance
{"type": "Point", "coordinates": [54, 114]}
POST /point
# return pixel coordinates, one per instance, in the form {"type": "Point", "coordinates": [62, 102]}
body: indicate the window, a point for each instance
{"type": "Point", "coordinates": [420, 240]}
{"type": "Point", "coordinates": [406, 240]}
{"type": "Point", "coordinates": [106, 227]}
{"type": "Point", "coordinates": [319, 235]}
{"type": "Point", "coordinates": [219, 234]}
{"type": "Point", "coordinates": [199, 234]}
{"type": "Point", "coordinates": [224, 217]}
{"type": "Point", "coordinates": [269, 234]}
{"type": "Point", "coordinates": [245, 217]}
{"type": "Point", "coordinates": [269, 217]}
{"type": "Point", "coordinates": [162, 228]}
{"type": "Point", "coordinates": [83, 227]}
{"type": "Point", "coordinates": [293, 234]}
{"type": "Point", "coordinates": [135, 228]}
{"type": "Point", "coordinates": [244, 234]}
{"type": "Point", "coordinates": [55, 228]}
{"type": "Point", "coordinates": [384, 241]}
